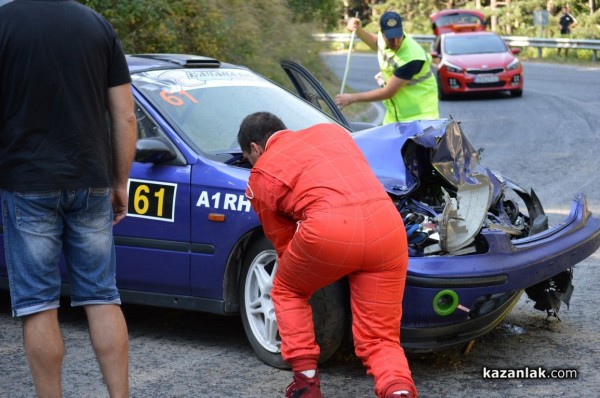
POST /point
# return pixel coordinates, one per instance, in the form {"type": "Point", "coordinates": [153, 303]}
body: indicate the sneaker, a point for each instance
{"type": "Point", "coordinates": [304, 386]}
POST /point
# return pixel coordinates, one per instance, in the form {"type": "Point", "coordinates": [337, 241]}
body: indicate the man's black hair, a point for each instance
{"type": "Point", "coordinates": [258, 127]}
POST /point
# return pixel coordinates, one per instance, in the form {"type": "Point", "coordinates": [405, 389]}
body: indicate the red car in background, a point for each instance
{"type": "Point", "coordinates": [469, 59]}
{"type": "Point", "coordinates": [448, 20]}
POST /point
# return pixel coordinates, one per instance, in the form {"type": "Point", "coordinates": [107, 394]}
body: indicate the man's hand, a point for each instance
{"type": "Point", "coordinates": [118, 199]}
{"type": "Point", "coordinates": [341, 100]}
{"type": "Point", "coordinates": [353, 24]}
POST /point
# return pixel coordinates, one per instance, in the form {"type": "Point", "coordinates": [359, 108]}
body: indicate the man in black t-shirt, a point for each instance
{"type": "Point", "coordinates": [566, 23]}
{"type": "Point", "coordinates": [64, 168]}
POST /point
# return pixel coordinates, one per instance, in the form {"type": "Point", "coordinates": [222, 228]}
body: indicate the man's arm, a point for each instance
{"type": "Point", "coordinates": [400, 78]}
{"type": "Point", "coordinates": [378, 94]}
{"type": "Point", "coordinates": [264, 192]}
{"type": "Point", "coordinates": [354, 25]}
{"type": "Point", "coordinates": [123, 136]}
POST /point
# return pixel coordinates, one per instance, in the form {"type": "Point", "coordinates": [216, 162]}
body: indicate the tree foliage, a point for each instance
{"type": "Point", "coordinates": [254, 33]}
{"type": "Point", "coordinates": [324, 12]}
{"type": "Point", "coordinates": [508, 17]}
{"type": "Point", "coordinates": [260, 33]}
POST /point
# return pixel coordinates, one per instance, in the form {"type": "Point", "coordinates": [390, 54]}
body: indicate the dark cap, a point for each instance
{"type": "Point", "coordinates": [391, 25]}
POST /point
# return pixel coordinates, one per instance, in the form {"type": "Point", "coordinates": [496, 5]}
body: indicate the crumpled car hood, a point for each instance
{"type": "Point", "coordinates": [400, 153]}
{"type": "Point", "coordinates": [445, 214]}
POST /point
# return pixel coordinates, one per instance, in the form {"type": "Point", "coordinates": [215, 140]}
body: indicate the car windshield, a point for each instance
{"type": "Point", "coordinates": [458, 19]}
{"type": "Point", "coordinates": [474, 44]}
{"type": "Point", "coordinates": [207, 106]}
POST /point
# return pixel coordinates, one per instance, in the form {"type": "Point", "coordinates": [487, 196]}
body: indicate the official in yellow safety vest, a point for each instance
{"type": "Point", "coordinates": [407, 86]}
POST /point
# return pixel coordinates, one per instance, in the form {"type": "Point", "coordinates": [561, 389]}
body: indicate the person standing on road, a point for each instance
{"type": "Point", "coordinates": [63, 178]}
{"type": "Point", "coordinates": [565, 23]}
{"type": "Point", "coordinates": [328, 216]}
{"type": "Point", "coordinates": [407, 86]}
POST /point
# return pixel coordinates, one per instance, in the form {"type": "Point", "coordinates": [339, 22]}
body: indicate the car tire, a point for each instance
{"type": "Point", "coordinates": [442, 96]}
{"type": "Point", "coordinates": [329, 305]}
{"type": "Point", "coordinates": [516, 93]}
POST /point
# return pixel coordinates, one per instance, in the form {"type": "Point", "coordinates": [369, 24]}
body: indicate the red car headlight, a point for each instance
{"type": "Point", "coordinates": [513, 65]}
{"type": "Point", "coordinates": [453, 68]}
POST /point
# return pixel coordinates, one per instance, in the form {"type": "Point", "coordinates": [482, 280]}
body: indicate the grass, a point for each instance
{"type": "Point", "coordinates": [550, 55]}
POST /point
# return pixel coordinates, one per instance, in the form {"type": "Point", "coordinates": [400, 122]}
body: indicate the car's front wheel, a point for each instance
{"type": "Point", "coordinates": [329, 304]}
{"type": "Point", "coordinates": [442, 95]}
{"type": "Point", "coordinates": [516, 93]}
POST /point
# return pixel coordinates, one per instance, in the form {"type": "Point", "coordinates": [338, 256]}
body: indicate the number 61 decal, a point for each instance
{"type": "Point", "coordinates": [149, 199]}
{"type": "Point", "coordinates": [177, 98]}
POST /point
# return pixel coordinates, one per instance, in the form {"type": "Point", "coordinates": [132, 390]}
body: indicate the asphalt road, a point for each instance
{"type": "Point", "coordinates": [548, 139]}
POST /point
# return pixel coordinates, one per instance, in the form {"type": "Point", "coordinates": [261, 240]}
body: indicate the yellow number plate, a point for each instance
{"type": "Point", "coordinates": [150, 199]}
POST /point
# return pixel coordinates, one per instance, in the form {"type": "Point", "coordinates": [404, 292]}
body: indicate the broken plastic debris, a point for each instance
{"type": "Point", "coordinates": [463, 217]}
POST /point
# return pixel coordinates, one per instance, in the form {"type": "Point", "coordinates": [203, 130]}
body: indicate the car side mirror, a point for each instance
{"type": "Point", "coordinates": [154, 150]}
{"type": "Point", "coordinates": [434, 54]}
{"type": "Point", "coordinates": [515, 51]}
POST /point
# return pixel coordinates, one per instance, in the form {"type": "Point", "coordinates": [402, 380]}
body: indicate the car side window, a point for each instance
{"type": "Point", "coordinates": [146, 127]}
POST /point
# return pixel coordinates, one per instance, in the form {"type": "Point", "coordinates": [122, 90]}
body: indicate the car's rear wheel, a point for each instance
{"type": "Point", "coordinates": [329, 305]}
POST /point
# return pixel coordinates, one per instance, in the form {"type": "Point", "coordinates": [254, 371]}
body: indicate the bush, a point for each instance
{"type": "Point", "coordinates": [255, 33]}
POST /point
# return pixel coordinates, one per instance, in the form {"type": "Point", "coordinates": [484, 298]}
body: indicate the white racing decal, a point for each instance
{"type": "Point", "coordinates": [219, 201]}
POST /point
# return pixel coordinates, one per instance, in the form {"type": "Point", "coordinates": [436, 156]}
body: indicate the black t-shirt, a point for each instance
{"type": "Point", "coordinates": [408, 70]}
{"type": "Point", "coordinates": [58, 59]}
{"type": "Point", "coordinates": [565, 23]}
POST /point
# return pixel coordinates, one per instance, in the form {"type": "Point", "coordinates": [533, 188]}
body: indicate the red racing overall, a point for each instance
{"type": "Point", "coordinates": [328, 216]}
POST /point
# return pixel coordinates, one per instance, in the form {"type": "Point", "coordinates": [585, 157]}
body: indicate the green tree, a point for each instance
{"type": "Point", "coordinates": [512, 17]}
{"type": "Point", "coordinates": [255, 33]}
{"type": "Point", "coordinates": [323, 12]}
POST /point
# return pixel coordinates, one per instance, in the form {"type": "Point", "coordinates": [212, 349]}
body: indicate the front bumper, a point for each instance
{"type": "Point", "coordinates": [484, 285]}
{"type": "Point", "coordinates": [421, 340]}
{"type": "Point", "coordinates": [454, 83]}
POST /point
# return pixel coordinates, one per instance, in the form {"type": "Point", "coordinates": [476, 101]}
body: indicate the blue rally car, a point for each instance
{"type": "Point", "coordinates": [477, 240]}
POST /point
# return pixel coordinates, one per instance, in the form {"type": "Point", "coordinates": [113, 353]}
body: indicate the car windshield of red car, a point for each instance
{"type": "Point", "coordinates": [474, 44]}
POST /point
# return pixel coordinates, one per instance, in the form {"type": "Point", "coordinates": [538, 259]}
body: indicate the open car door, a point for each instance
{"type": "Point", "coordinates": [309, 89]}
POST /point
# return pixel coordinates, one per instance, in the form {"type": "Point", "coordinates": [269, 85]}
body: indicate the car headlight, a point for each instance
{"type": "Point", "coordinates": [513, 65]}
{"type": "Point", "coordinates": [453, 68]}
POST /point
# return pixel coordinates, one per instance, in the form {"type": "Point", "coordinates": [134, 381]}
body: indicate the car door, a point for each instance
{"type": "Point", "coordinates": [309, 89]}
{"type": "Point", "coordinates": [153, 241]}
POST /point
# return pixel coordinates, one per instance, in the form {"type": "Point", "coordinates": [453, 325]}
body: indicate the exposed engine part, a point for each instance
{"type": "Point", "coordinates": [463, 216]}
{"type": "Point", "coordinates": [449, 197]}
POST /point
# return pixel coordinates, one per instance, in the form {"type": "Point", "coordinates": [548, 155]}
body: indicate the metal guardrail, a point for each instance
{"type": "Point", "coordinates": [541, 43]}
{"type": "Point", "coordinates": [513, 41]}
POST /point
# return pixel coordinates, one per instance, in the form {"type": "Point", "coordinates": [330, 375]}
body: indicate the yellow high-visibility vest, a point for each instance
{"type": "Point", "coordinates": [416, 100]}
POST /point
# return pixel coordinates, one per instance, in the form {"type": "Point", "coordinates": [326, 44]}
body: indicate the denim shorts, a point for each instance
{"type": "Point", "coordinates": [39, 226]}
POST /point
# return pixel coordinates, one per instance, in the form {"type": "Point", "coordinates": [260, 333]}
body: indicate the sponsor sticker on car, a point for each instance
{"type": "Point", "coordinates": [224, 201]}
{"type": "Point", "coordinates": [151, 199]}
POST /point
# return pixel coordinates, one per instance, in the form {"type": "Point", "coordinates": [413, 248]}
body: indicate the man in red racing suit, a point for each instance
{"type": "Point", "coordinates": [328, 217]}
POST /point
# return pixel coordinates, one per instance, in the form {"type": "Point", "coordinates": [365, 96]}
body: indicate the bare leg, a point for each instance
{"type": "Point", "coordinates": [110, 340]}
{"type": "Point", "coordinates": [45, 351]}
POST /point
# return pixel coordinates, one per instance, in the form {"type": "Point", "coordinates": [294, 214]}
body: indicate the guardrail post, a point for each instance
{"type": "Point", "coordinates": [540, 52]}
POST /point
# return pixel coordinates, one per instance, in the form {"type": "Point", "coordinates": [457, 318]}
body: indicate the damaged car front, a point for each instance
{"type": "Point", "coordinates": [477, 240]}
